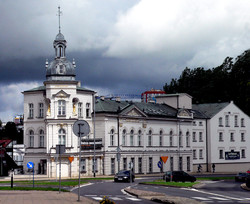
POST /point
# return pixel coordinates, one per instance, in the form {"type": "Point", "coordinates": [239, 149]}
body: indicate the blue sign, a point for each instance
{"type": "Point", "coordinates": [159, 164]}
{"type": "Point", "coordinates": [30, 165]}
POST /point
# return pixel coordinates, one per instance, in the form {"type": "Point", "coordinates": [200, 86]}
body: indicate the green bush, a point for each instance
{"type": "Point", "coordinates": [105, 200]}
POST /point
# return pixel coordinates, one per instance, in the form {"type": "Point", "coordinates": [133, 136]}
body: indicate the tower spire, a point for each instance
{"type": "Point", "coordinates": [59, 16]}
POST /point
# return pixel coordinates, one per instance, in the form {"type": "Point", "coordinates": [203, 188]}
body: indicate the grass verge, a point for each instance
{"type": "Point", "coordinates": [175, 184]}
{"type": "Point", "coordinates": [17, 188]}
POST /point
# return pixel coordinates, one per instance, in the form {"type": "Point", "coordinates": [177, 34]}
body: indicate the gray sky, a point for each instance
{"type": "Point", "coordinates": [120, 46]}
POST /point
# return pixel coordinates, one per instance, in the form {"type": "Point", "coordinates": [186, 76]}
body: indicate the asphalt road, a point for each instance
{"type": "Point", "coordinates": [210, 192]}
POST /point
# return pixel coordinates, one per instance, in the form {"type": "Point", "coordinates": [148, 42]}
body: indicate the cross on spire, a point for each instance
{"type": "Point", "coordinates": [59, 15]}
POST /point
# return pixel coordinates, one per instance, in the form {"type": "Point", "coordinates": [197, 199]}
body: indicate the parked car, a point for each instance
{"type": "Point", "coordinates": [124, 175]}
{"type": "Point", "coordinates": [241, 176]}
{"type": "Point", "coordinates": [178, 176]}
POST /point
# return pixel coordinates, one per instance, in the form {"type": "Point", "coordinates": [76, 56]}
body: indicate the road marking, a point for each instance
{"type": "Point", "coordinates": [97, 198]}
{"type": "Point", "coordinates": [201, 198]}
{"type": "Point", "coordinates": [87, 184]}
{"type": "Point", "coordinates": [134, 199]}
{"type": "Point", "coordinates": [115, 198]}
{"type": "Point", "coordinates": [218, 198]}
{"type": "Point", "coordinates": [214, 194]}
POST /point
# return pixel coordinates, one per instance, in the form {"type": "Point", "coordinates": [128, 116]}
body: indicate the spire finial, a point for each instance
{"type": "Point", "coordinates": [59, 15]}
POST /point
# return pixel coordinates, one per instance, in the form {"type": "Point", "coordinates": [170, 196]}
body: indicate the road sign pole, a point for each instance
{"type": "Point", "coordinates": [59, 169]}
{"type": "Point", "coordinates": [33, 176]}
{"type": "Point", "coordinates": [79, 134]}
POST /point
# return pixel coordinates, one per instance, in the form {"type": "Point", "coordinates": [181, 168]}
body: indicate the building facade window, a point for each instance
{"type": "Point", "coordinates": [200, 137]}
{"type": "Point", "coordinates": [171, 163]}
{"type": "Point", "coordinates": [112, 165]}
{"type": "Point", "coordinates": [231, 137]}
{"type": "Point", "coordinates": [83, 165]}
{"type": "Point", "coordinates": [139, 138]}
{"type": "Point", "coordinates": [80, 110]}
{"type": "Point", "coordinates": [160, 139]}
{"type": "Point", "coordinates": [132, 138]}
{"type": "Point", "coordinates": [124, 137]}
{"type": "Point", "coordinates": [220, 122]}
{"type": "Point", "coordinates": [87, 110]}
{"type": "Point", "coordinates": [180, 163]}
{"type": "Point", "coordinates": [31, 110]}
{"type": "Point", "coordinates": [171, 139]}
{"type": "Point", "coordinates": [187, 139]}
{"type": "Point", "coordinates": [149, 138]}
{"type": "Point", "coordinates": [150, 165]}
{"type": "Point", "coordinates": [243, 137]}
{"type": "Point", "coordinates": [112, 137]}
{"type": "Point", "coordinates": [242, 122]}
{"type": "Point", "coordinates": [243, 153]}
{"type": "Point", "coordinates": [236, 121]}
{"type": "Point", "coordinates": [41, 138]}
{"type": "Point", "coordinates": [188, 164]}
{"type": "Point", "coordinates": [194, 154]}
{"type": "Point", "coordinates": [61, 107]}
{"type": "Point", "coordinates": [194, 137]}
{"type": "Point", "coordinates": [62, 137]}
{"type": "Point", "coordinates": [41, 110]}
{"type": "Point", "coordinates": [124, 163]}
{"type": "Point", "coordinates": [31, 138]}
{"type": "Point", "coordinates": [200, 124]}
{"type": "Point", "coordinates": [180, 139]}
{"type": "Point", "coordinates": [227, 120]}
{"type": "Point", "coordinates": [221, 137]}
{"type": "Point", "coordinates": [139, 165]}
{"type": "Point", "coordinates": [221, 156]}
{"type": "Point", "coordinates": [200, 154]}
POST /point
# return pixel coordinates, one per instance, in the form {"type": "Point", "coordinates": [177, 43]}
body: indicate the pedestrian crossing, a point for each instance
{"type": "Point", "coordinates": [213, 199]}
{"type": "Point", "coordinates": [114, 198]}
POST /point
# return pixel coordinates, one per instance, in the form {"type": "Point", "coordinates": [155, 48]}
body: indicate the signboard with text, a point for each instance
{"type": "Point", "coordinates": [232, 155]}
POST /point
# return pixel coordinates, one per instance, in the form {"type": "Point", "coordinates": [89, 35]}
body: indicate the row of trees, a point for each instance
{"type": "Point", "coordinates": [11, 132]}
{"type": "Point", "coordinates": [229, 81]}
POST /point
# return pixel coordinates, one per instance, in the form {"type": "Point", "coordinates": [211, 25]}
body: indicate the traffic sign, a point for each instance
{"type": "Point", "coordinates": [159, 164]}
{"type": "Point", "coordinates": [81, 128]}
{"type": "Point", "coordinates": [131, 165]}
{"type": "Point", "coordinates": [30, 165]}
{"type": "Point", "coordinates": [164, 159]}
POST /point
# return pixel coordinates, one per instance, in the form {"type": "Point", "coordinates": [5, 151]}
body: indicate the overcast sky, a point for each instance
{"type": "Point", "coordinates": [120, 46]}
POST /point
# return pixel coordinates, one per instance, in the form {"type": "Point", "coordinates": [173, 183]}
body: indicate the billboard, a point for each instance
{"type": "Point", "coordinates": [232, 155]}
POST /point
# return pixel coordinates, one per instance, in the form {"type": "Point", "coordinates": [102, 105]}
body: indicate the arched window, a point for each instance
{"type": "Point", "coordinates": [112, 137]}
{"type": "Point", "coordinates": [124, 137]}
{"type": "Point", "coordinates": [31, 138]}
{"type": "Point", "coordinates": [139, 138]}
{"type": "Point", "coordinates": [132, 138]}
{"type": "Point", "coordinates": [62, 137]}
{"type": "Point", "coordinates": [160, 139]}
{"type": "Point", "coordinates": [180, 138]}
{"type": "Point", "coordinates": [41, 138]}
{"type": "Point", "coordinates": [150, 138]}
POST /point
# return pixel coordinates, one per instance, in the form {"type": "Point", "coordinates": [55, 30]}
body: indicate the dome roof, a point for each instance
{"type": "Point", "coordinates": [60, 69]}
{"type": "Point", "coordinates": [60, 37]}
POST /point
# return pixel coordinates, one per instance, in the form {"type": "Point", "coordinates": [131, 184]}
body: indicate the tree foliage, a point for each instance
{"type": "Point", "coordinates": [229, 81]}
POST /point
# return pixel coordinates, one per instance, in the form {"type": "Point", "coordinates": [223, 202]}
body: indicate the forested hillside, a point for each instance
{"type": "Point", "coordinates": [229, 81]}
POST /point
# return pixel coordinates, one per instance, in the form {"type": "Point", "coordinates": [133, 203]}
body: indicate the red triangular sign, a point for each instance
{"type": "Point", "coordinates": [164, 159]}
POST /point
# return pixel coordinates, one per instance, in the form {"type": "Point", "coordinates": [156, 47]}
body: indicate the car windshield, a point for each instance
{"type": "Point", "coordinates": [123, 172]}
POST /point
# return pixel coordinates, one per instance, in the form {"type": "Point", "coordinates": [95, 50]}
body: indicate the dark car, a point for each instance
{"type": "Point", "coordinates": [124, 175]}
{"type": "Point", "coordinates": [178, 176]}
{"type": "Point", "coordinates": [241, 176]}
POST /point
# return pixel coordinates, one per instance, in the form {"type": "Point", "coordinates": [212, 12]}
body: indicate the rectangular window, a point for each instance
{"type": "Point", "coordinates": [221, 154]}
{"type": "Point", "coordinates": [83, 165]}
{"type": "Point", "coordinates": [139, 165]}
{"type": "Point", "coordinates": [243, 153]}
{"type": "Point", "coordinates": [171, 163]}
{"type": "Point", "coordinates": [200, 154]}
{"type": "Point", "coordinates": [194, 137]}
{"type": "Point", "coordinates": [87, 110]}
{"type": "Point", "coordinates": [221, 137]}
{"type": "Point", "coordinates": [188, 164]}
{"type": "Point", "coordinates": [31, 110]}
{"type": "Point", "coordinates": [220, 122]}
{"type": "Point", "coordinates": [236, 121]}
{"type": "Point", "coordinates": [231, 137]}
{"type": "Point", "coordinates": [112, 165]}
{"type": "Point", "coordinates": [243, 137]}
{"type": "Point", "coordinates": [227, 120]}
{"type": "Point", "coordinates": [200, 124]}
{"type": "Point", "coordinates": [139, 140]}
{"type": "Point", "coordinates": [200, 137]}
{"type": "Point", "coordinates": [80, 110]}
{"type": "Point", "coordinates": [171, 141]}
{"type": "Point", "coordinates": [194, 154]}
{"type": "Point", "coordinates": [150, 140]}
{"type": "Point", "coordinates": [125, 163]}
{"type": "Point", "coordinates": [150, 165]}
{"type": "Point", "coordinates": [160, 140]}
{"type": "Point", "coordinates": [131, 140]}
{"type": "Point", "coordinates": [41, 110]}
{"type": "Point", "coordinates": [242, 122]}
{"type": "Point", "coordinates": [62, 107]}
{"type": "Point", "coordinates": [180, 163]}
{"type": "Point", "coordinates": [180, 141]}
{"type": "Point", "coordinates": [187, 141]}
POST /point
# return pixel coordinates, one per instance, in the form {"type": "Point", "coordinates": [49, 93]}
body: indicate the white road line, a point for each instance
{"type": "Point", "coordinates": [115, 198]}
{"type": "Point", "coordinates": [97, 198]}
{"type": "Point", "coordinates": [87, 184]}
{"type": "Point", "coordinates": [214, 194]}
{"type": "Point", "coordinates": [201, 198]}
{"type": "Point", "coordinates": [134, 199]}
{"type": "Point", "coordinates": [219, 198]}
